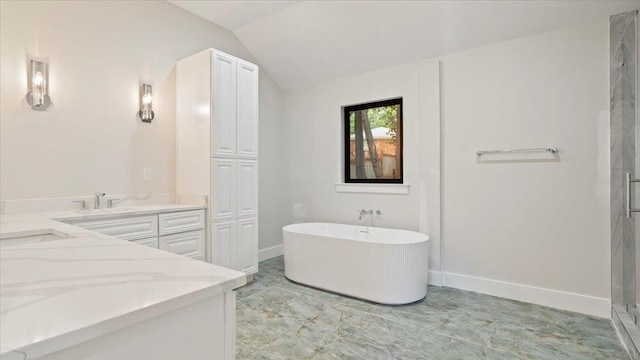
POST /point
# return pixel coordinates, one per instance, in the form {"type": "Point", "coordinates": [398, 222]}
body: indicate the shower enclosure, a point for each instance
{"type": "Point", "coordinates": [625, 180]}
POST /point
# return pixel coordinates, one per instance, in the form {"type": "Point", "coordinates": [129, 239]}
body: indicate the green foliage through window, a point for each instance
{"type": "Point", "coordinates": [373, 142]}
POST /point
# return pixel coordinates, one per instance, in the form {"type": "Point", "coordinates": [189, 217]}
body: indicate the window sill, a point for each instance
{"type": "Point", "coordinates": [395, 189]}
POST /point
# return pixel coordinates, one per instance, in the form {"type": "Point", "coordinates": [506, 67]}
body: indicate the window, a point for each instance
{"type": "Point", "coordinates": [373, 142]}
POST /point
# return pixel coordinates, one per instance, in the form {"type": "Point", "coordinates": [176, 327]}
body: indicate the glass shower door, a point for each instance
{"type": "Point", "coordinates": [625, 182]}
{"type": "Point", "coordinates": [633, 306]}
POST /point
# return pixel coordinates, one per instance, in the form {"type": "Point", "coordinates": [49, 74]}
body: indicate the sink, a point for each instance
{"type": "Point", "coordinates": [105, 211]}
{"type": "Point", "coordinates": [31, 237]}
{"type": "Point", "coordinates": [112, 210]}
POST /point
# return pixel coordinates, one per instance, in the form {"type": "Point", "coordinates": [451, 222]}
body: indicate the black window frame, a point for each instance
{"type": "Point", "coordinates": [347, 141]}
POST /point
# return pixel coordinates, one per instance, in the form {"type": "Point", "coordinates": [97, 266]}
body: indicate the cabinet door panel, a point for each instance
{"type": "Point", "coordinates": [223, 239]}
{"type": "Point", "coordinates": [247, 192]}
{"type": "Point", "coordinates": [190, 244]}
{"type": "Point", "coordinates": [247, 110]}
{"type": "Point", "coordinates": [223, 189]}
{"type": "Point", "coordinates": [247, 246]}
{"type": "Point", "coordinates": [223, 122]}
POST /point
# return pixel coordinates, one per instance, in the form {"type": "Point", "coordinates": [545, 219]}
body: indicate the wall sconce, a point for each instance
{"type": "Point", "coordinates": [38, 95]}
{"type": "Point", "coordinates": [146, 103]}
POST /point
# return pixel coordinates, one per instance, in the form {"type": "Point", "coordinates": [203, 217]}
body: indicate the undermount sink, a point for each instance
{"type": "Point", "coordinates": [35, 236]}
{"type": "Point", "coordinates": [106, 210]}
{"type": "Point", "coordinates": [116, 209]}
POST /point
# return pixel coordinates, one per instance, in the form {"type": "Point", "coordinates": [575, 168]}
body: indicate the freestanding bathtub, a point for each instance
{"type": "Point", "coordinates": [385, 266]}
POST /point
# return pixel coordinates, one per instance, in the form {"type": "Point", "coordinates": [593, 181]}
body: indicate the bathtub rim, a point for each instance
{"type": "Point", "coordinates": [291, 228]}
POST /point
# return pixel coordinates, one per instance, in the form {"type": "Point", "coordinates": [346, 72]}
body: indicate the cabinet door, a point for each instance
{"type": "Point", "coordinates": [223, 189]}
{"type": "Point", "coordinates": [223, 118]}
{"type": "Point", "coordinates": [247, 192]}
{"type": "Point", "coordinates": [223, 239]}
{"type": "Point", "coordinates": [247, 110]}
{"type": "Point", "coordinates": [247, 246]}
{"type": "Point", "coordinates": [190, 244]}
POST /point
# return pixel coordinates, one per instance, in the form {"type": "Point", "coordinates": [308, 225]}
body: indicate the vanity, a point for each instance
{"type": "Point", "coordinates": [97, 285]}
{"type": "Point", "coordinates": [179, 232]}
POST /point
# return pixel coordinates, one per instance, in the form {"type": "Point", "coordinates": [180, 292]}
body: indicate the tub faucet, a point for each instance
{"type": "Point", "coordinates": [364, 212]}
{"type": "Point", "coordinates": [96, 201]}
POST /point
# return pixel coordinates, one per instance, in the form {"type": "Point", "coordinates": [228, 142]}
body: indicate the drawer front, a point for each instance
{"type": "Point", "coordinates": [150, 242]}
{"type": "Point", "coordinates": [182, 221]}
{"type": "Point", "coordinates": [190, 244]}
{"type": "Point", "coordinates": [132, 228]}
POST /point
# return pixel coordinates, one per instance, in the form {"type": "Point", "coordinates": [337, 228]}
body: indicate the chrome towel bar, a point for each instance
{"type": "Point", "coordinates": [515, 151]}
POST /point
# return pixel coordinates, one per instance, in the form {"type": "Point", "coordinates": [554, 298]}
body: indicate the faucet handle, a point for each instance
{"type": "Point", "coordinates": [83, 203]}
{"type": "Point", "coordinates": [101, 194]}
{"type": "Point", "coordinates": [110, 202]}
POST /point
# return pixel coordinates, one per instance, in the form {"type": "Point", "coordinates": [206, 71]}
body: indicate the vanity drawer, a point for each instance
{"type": "Point", "coordinates": [182, 221]}
{"type": "Point", "coordinates": [132, 228]}
{"type": "Point", "coordinates": [190, 244]}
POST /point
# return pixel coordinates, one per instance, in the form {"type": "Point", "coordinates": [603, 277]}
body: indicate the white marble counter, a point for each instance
{"type": "Point", "coordinates": [59, 293]}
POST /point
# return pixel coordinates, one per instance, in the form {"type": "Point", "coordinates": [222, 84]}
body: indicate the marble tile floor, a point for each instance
{"type": "Point", "coordinates": [278, 319]}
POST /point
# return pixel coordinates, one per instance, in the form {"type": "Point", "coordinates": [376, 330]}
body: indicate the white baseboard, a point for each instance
{"type": "Point", "coordinates": [584, 304]}
{"type": "Point", "coordinates": [435, 278]}
{"type": "Point", "coordinates": [270, 253]}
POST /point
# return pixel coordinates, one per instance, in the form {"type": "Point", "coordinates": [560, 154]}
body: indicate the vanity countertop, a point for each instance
{"type": "Point", "coordinates": [55, 294]}
{"type": "Point", "coordinates": [14, 222]}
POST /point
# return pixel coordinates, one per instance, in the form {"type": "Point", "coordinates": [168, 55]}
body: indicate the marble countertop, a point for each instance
{"type": "Point", "coordinates": [58, 293]}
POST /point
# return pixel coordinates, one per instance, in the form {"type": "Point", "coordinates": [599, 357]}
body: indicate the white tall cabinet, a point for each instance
{"type": "Point", "coordinates": [217, 151]}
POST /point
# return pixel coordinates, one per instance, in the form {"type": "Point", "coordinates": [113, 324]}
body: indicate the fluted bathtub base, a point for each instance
{"type": "Point", "coordinates": [380, 265]}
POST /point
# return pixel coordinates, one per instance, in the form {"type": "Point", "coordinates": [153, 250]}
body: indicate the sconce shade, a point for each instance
{"type": "Point", "coordinates": [38, 95]}
{"type": "Point", "coordinates": [146, 103]}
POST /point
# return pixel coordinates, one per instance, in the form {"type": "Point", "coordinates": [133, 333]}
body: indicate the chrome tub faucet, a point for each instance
{"type": "Point", "coordinates": [96, 202]}
{"type": "Point", "coordinates": [364, 212]}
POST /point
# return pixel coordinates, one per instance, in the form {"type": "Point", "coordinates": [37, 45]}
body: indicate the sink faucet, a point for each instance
{"type": "Point", "coordinates": [96, 201]}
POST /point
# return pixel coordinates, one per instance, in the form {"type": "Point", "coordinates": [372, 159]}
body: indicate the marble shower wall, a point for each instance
{"type": "Point", "coordinates": [623, 123]}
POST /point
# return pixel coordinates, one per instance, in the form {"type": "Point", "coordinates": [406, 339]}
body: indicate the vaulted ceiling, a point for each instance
{"type": "Point", "coordinates": [303, 42]}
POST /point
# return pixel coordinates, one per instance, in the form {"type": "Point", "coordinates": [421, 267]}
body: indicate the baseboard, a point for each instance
{"type": "Point", "coordinates": [584, 304]}
{"type": "Point", "coordinates": [270, 253]}
{"type": "Point", "coordinates": [435, 278]}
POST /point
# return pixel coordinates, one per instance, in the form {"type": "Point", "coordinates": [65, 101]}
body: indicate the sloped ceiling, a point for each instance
{"type": "Point", "coordinates": [303, 42]}
{"type": "Point", "coordinates": [233, 14]}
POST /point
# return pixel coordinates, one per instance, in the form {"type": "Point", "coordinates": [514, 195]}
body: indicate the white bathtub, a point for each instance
{"type": "Point", "coordinates": [385, 266]}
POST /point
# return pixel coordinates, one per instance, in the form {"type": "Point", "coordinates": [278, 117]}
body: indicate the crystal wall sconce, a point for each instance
{"type": "Point", "coordinates": [38, 95]}
{"type": "Point", "coordinates": [146, 103]}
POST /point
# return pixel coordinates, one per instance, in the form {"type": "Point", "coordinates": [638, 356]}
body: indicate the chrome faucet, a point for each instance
{"type": "Point", "coordinates": [364, 212]}
{"type": "Point", "coordinates": [96, 201]}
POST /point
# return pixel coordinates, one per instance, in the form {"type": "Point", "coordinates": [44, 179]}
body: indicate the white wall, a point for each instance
{"type": "Point", "coordinates": [544, 224]}
{"type": "Point", "coordinates": [91, 139]}
{"type": "Point", "coordinates": [314, 149]}
{"type": "Point", "coordinates": [273, 193]}
{"type": "Point", "coordinates": [535, 231]}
